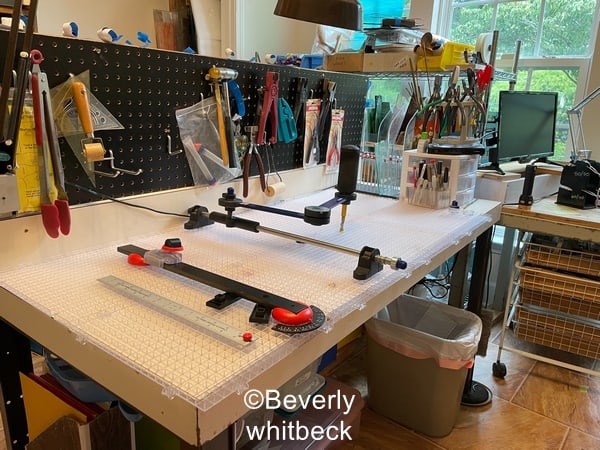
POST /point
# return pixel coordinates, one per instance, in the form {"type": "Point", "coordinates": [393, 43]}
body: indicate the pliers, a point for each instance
{"type": "Point", "coordinates": [269, 108]}
{"type": "Point", "coordinates": [300, 104]}
{"type": "Point", "coordinates": [326, 107]}
{"type": "Point", "coordinates": [252, 153]}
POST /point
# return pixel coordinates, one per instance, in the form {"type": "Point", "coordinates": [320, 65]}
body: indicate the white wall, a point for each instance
{"type": "Point", "coordinates": [126, 17]}
{"type": "Point", "coordinates": [246, 26]}
{"type": "Point", "coordinates": [258, 29]}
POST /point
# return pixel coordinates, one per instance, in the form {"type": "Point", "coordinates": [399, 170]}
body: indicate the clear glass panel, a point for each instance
{"type": "Point", "coordinates": [567, 29]}
{"type": "Point", "coordinates": [518, 21]}
{"type": "Point", "coordinates": [469, 22]}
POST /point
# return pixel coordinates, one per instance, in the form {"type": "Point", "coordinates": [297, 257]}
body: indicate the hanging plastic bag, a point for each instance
{"type": "Point", "coordinates": [200, 139]}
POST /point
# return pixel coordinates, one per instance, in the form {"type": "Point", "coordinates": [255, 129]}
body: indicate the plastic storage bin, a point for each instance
{"type": "Point", "coordinates": [462, 175]}
{"type": "Point", "coordinates": [312, 417]}
{"type": "Point", "coordinates": [418, 353]}
{"type": "Point", "coordinates": [452, 55]}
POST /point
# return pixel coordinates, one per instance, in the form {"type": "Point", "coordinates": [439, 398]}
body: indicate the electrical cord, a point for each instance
{"type": "Point", "coordinates": [430, 284]}
{"type": "Point", "coordinates": [116, 200]}
{"type": "Point", "coordinates": [489, 270]}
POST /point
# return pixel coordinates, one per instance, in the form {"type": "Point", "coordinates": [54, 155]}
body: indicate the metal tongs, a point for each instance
{"type": "Point", "coordinates": [55, 216]}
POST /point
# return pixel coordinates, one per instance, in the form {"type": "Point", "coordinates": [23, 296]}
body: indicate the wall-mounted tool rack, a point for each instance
{"type": "Point", "coordinates": [143, 88]}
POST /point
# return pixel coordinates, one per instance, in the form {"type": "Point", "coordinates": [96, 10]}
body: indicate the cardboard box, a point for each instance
{"type": "Point", "coordinates": [370, 62]}
{"type": "Point", "coordinates": [110, 430]}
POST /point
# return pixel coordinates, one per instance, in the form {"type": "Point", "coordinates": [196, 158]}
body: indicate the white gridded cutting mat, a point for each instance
{"type": "Point", "coordinates": [199, 368]}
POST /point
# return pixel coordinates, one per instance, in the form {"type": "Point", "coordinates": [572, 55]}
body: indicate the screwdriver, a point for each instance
{"type": "Point", "coordinates": [344, 210]}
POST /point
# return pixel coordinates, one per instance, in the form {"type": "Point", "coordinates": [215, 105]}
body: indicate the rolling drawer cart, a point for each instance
{"type": "Point", "coordinates": [554, 300]}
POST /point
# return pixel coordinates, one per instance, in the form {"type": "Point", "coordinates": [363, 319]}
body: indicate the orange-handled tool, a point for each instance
{"type": "Point", "coordinates": [93, 147]}
{"type": "Point", "coordinates": [80, 97]}
{"type": "Point", "coordinates": [221, 124]}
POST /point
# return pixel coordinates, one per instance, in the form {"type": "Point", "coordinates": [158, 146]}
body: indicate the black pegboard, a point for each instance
{"type": "Point", "coordinates": [144, 87]}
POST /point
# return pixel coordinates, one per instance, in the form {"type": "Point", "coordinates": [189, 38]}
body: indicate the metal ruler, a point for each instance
{"type": "Point", "coordinates": [197, 320]}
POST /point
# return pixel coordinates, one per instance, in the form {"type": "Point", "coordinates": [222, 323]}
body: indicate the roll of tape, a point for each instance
{"type": "Point", "coordinates": [483, 46]}
{"type": "Point", "coordinates": [93, 152]}
{"type": "Point", "coordinates": [274, 189]}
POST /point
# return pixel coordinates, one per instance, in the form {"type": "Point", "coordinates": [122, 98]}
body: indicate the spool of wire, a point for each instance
{"type": "Point", "coordinates": [483, 47]}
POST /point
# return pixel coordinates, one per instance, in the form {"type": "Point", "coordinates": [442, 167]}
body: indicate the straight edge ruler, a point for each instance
{"type": "Point", "coordinates": [194, 319]}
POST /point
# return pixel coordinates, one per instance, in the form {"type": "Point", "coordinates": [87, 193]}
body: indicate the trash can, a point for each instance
{"type": "Point", "coordinates": [418, 353]}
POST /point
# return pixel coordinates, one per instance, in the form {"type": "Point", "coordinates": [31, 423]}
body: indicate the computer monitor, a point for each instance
{"type": "Point", "coordinates": [526, 126]}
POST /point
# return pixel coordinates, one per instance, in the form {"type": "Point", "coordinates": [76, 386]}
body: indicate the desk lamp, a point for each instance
{"type": "Point", "coordinates": [346, 14]}
{"type": "Point", "coordinates": [577, 110]}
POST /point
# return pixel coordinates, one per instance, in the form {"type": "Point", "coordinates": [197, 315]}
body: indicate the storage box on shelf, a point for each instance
{"type": "Point", "coordinates": [558, 303]}
{"type": "Point", "coordinates": [558, 331]}
{"type": "Point", "coordinates": [462, 174]}
{"type": "Point", "coordinates": [379, 175]}
{"type": "Point", "coordinates": [401, 61]}
{"type": "Point", "coordinates": [452, 55]}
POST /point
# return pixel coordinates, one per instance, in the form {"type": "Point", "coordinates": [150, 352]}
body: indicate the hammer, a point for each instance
{"type": "Point", "coordinates": [215, 76]}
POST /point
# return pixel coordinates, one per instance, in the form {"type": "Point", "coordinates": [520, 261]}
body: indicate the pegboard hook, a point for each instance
{"type": "Point", "coordinates": [170, 145]}
{"type": "Point", "coordinates": [110, 158]}
{"type": "Point", "coordinates": [116, 170]}
{"type": "Point", "coordinates": [127, 171]}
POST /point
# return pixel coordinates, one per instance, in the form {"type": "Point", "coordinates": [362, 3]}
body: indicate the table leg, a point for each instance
{"type": "Point", "coordinates": [475, 393]}
{"type": "Point", "coordinates": [15, 357]}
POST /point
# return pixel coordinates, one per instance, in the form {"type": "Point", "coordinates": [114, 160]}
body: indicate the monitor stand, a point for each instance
{"type": "Point", "coordinates": [545, 160]}
{"type": "Point", "coordinates": [491, 166]}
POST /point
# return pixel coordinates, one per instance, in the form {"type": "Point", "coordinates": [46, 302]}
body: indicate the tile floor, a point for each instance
{"type": "Point", "coordinates": [536, 406]}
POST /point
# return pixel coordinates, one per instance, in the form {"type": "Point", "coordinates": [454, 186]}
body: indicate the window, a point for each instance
{"type": "Point", "coordinates": [557, 42]}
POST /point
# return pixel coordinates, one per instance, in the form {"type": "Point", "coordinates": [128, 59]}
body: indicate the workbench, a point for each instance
{"type": "Point", "coordinates": [546, 217]}
{"type": "Point", "coordinates": [184, 380]}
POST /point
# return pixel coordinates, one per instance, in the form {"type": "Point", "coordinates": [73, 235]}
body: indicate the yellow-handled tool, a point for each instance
{"type": "Point", "coordinates": [92, 147]}
{"type": "Point", "coordinates": [216, 75]}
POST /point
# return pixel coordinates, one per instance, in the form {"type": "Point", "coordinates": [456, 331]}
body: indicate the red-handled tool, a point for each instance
{"type": "Point", "coordinates": [50, 216]}
{"type": "Point", "coordinates": [62, 200]}
{"type": "Point", "coordinates": [484, 77]}
{"type": "Point", "coordinates": [252, 154]}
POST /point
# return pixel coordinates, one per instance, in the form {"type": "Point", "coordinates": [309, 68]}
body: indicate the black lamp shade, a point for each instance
{"type": "Point", "coordinates": [336, 13]}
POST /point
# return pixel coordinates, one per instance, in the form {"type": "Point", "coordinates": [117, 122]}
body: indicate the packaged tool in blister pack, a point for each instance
{"type": "Point", "coordinates": [198, 130]}
{"type": "Point", "coordinates": [311, 133]}
{"type": "Point", "coordinates": [332, 158]}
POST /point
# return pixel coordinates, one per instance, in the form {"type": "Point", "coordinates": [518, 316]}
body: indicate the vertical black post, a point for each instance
{"type": "Point", "coordinates": [15, 357]}
{"type": "Point", "coordinates": [475, 393]}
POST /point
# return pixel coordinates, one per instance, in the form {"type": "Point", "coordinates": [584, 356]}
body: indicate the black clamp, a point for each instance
{"type": "Point", "coordinates": [197, 218]}
{"type": "Point", "coordinates": [367, 264]}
